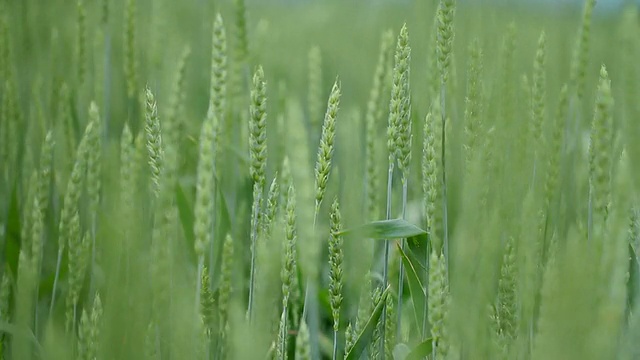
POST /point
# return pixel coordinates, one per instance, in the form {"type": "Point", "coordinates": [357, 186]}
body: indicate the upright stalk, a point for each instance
{"type": "Point", "coordinates": [429, 189]}
{"type": "Point", "coordinates": [254, 234]}
{"type": "Point", "coordinates": [70, 203]}
{"type": "Point", "coordinates": [218, 108]}
{"type": "Point", "coordinates": [307, 290]}
{"type": "Point", "coordinates": [444, 39]}
{"type": "Point", "coordinates": [282, 335]}
{"type": "Point", "coordinates": [107, 81]}
{"type": "Point", "coordinates": [387, 245]}
{"type": "Point", "coordinates": [399, 144]}
{"type": "Point", "coordinates": [55, 282]}
{"type": "Point", "coordinates": [425, 309]}
{"type": "Point", "coordinates": [199, 283]}
{"type": "Point", "coordinates": [575, 106]}
{"type": "Point", "coordinates": [212, 249]}
{"type": "Point", "coordinates": [590, 213]}
{"type": "Point", "coordinates": [309, 296]}
{"type": "Point", "coordinates": [579, 64]}
{"type": "Point", "coordinates": [283, 344]}
{"type": "Point", "coordinates": [322, 171]}
{"type": "Point", "coordinates": [403, 243]}
{"type": "Point", "coordinates": [336, 257]}
{"type": "Point", "coordinates": [93, 181]}
{"type": "Point", "coordinates": [335, 345]}
{"type": "Point", "coordinates": [258, 153]}
{"type": "Point", "coordinates": [445, 218]}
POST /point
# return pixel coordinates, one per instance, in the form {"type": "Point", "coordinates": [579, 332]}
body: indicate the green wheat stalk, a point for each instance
{"type": "Point", "coordinates": [217, 95]}
{"type": "Point", "coordinates": [258, 153]}
{"type": "Point", "coordinates": [322, 171]}
{"type": "Point", "coordinates": [289, 265]}
{"type": "Point", "coordinates": [399, 138]}
{"type": "Point", "coordinates": [336, 257]}
{"type": "Point", "coordinates": [205, 206]}
{"type": "Point", "coordinates": [600, 150]}
{"type": "Point", "coordinates": [372, 116]}
{"type": "Point", "coordinates": [404, 140]}
{"type": "Point", "coordinates": [130, 46]}
{"type": "Point", "coordinates": [94, 180]}
{"type": "Point", "coordinates": [538, 93]}
{"type": "Point", "coordinates": [473, 104]}
{"type": "Point", "coordinates": [445, 33]}
{"type": "Point", "coordinates": [70, 202]}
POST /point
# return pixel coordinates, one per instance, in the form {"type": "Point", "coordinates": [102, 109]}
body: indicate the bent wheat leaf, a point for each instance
{"type": "Point", "coordinates": [384, 229]}
{"type": "Point", "coordinates": [364, 338]}
{"type": "Point", "coordinates": [417, 254]}
{"type": "Point", "coordinates": [421, 350]}
{"type": "Point", "coordinates": [415, 288]}
{"type": "Point", "coordinates": [16, 331]}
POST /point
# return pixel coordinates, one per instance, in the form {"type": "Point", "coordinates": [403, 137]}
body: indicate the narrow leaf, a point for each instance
{"type": "Point", "coordinates": [415, 256]}
{"type": "Point", "coordinates": [367, 332]}
{"type": "Point", "coordinates": [415, 287]}
{"type": "Point", "coordinates": [421, 350]}
{"type": "Point", "coordinates": [384, 229]}
{"type": "Point", "coordinates": [16, 331]}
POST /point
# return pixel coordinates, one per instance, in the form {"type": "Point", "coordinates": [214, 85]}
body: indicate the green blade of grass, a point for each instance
{"type": "Point", "coordinates": [364, 338]}
{"type": "Point", "coordinates": [415, 287]}
{"type": "Point", "coordinates": [415, 254]}
{"type": "Point", "coordinates": [421, 351]}
{"type": "Point", "coordinates": [384, 229]}
{"type": "Point", "coordinates": [16, 331]}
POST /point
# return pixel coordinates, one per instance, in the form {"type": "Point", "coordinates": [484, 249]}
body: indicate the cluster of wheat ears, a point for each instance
{"type": "Point", "coordinates": [136, 228]}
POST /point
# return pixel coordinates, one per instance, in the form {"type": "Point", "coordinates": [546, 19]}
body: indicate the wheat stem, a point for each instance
{"type": "Point", "coordinates": [55, 282]}
{"type": "Point", "coordinates": [257, 200]}
{"type": "Point", "coordinates": [445, 217]}
{"type": "Point", "coordinates": [387, 245]}
{"type": "Point", "coordinates": [403, 244]}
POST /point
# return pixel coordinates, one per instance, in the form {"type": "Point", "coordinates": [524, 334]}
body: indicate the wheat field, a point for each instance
{"type": "Point", "coordinates": [237, 179]}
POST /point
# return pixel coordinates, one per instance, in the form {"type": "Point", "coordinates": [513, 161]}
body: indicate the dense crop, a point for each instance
{"type": "Point", "coordinates": [205, 180]}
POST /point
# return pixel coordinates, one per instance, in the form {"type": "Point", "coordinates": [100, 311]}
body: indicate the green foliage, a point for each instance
{"type": "Point", "coordinates": [136, 156]}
